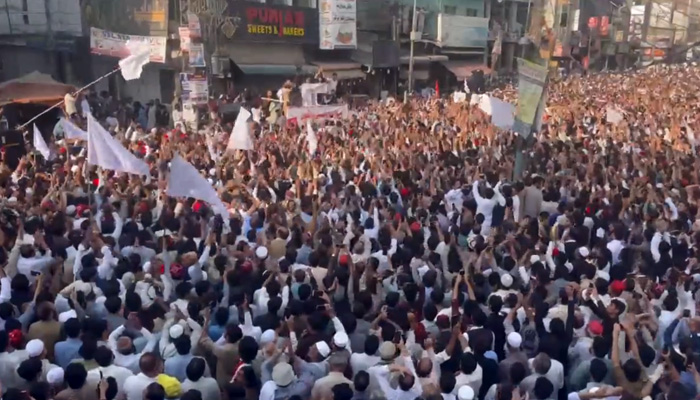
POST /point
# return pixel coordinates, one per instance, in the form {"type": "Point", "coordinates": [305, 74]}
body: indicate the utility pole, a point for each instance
{"type": "Point", "coordinates": [414, 35]}
{"type": "Point", "coordinates": [647, 19]}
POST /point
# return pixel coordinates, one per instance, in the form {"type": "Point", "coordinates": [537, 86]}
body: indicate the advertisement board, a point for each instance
{"type": "Point", "coordinates": [459, 31]}
{"type": "Point", "coordinates": [138, 17]}
{"type": "Point", "coordinates": [107, 43]}
{"type": "Point", "coordinates": [337, 21]}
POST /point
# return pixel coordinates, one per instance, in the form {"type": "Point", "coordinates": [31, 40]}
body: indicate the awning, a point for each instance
{"type": "Point", "coordinates": [34, 87]}
{"type": "Point", "coordinates": [349, 74]}
{"type": "Point", "coordinates": [423, 59]}
{"type": "Point", "coordinates": [342, 70]}
{"type": "Point", "coordinates": [272, 69]}
{"type": "Point", "coordinates": [271, 59]}
{"type": "Point", "coordinates": [336, 66]}
{"type": "Point", "coordinates": [464, 69]}
{"type": "Point", "coordinates": [418, 74]}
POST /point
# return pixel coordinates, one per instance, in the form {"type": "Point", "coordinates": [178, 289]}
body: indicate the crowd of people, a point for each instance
{"type": "Point", "coordinates": [401, 261]}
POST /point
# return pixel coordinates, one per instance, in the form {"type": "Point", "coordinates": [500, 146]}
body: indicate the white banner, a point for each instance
{"type": "Point", "coordinates": [113, 44]}
{"type": "Point", "coordinates": [337, 24]}
{"type": "Point", "coordinates": [316, 112]}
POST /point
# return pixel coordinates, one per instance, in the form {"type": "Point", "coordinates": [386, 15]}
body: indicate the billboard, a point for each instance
{"type": "Point", "coordinates": [134, 17]}
{"type": "Point", "coordinates": [459, 31]}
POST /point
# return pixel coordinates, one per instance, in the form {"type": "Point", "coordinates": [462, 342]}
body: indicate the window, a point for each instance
{"type": "Point", "coordinates": [472, 12]}
{"type": "Point", "coordinates": [564, 19]}
{"type": "Point", "coordinates": [450, 10]}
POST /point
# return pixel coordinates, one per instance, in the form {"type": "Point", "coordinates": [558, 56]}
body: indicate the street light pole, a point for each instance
{"type": "Point", "coordinates": [413, 42]}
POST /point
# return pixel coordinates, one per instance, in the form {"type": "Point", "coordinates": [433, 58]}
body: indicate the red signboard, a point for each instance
{"type": "Point", "coordinates": [593, 23]}
{"type": "Point", "coordinates": [258, 22]}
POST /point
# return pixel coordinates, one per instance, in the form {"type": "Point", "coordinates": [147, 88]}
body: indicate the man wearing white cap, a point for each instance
{"type": "Point", "coordinates": [36, 348]}
{"type": "Point", "coordinates": [513, 355]}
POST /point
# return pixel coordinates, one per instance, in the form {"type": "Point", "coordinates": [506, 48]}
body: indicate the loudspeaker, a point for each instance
{"type": "Point", "coordinates": [12, 144]}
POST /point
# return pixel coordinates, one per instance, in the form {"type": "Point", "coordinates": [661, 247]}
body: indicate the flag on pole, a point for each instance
{"type": "Point", "coordinates": [240, 135]}
{"type": "Point", "coordinates": [71, 131]}
{"type": "Point", "coordinates": [40, 144]}
{"type": "Point", "coordinates": [132, 66]}
{"type": "Point", "coordinates": [185, 181]}
{"type": "Point", "coordinates": [311, 138]}
{"type": "Point", "coordinates": [106, 152]}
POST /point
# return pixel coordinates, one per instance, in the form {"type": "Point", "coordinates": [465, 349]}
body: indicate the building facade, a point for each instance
{"type": "Point", "coordinates": [43, 36]}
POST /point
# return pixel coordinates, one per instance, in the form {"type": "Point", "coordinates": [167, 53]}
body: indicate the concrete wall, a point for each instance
{"type": "Point", "coordinates": [18, 17]}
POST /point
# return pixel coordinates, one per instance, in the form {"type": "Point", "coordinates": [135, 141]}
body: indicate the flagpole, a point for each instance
{"type": "Point", "coordinates": [63, 101]}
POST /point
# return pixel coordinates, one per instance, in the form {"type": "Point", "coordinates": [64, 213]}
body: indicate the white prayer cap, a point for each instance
{"type": "Point", "coordinates": [212, 172]}
{"type": "Point", "coordinates": [12, 200]}
{"type": "Point", "coordinates": [147, 267]}
{"type": "Point", "coordinates": [74, 169]}
{"type": "Point", "coordinates": [55, 376]}
{"type": "Point", "coordinates": [34, 347]}
{"type": "Point", "coordinates": [514, 340]}
{"type": "Point", "coordinates": [323, 349]}
{"type": "Point", "coordinates": [29, 191]}
{"type": "Point", "coordinates": [65, 316]}
{"type": "Point", "coordinates": [584, 252]}
{"type": "Point", "coordinates": [507, 280]}
{"type": "Point", "coordinates": [341, 339]}
{"type": "Point", "coordinates": [534, 258]}
{"type": "Point", "coordinates": [176, 331]}
{"type": "Point", "coordinates": [267, 337]}
{"type": "Point", "coordinates": [70, 210]}
{"type": "Point", "coordinates": [261, 252]}
{"type": "Point", "coordinates": [465, 393]}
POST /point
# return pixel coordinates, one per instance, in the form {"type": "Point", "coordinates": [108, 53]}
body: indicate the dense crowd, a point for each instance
{"type": "Point", "coordinates": [402, 260]}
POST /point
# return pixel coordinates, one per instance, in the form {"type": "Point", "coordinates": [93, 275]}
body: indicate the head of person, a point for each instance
{"type": "Point", "coordinates": [598, 370]}
{"type": "Point", "coordinates": [361, 381]}
{"type": "Point", "coordinates": [72, 328]}
{"type": "Point", "coordinates": [248, 349]}
{"type": "Point", "coordinates": [75, 375]}
{"type": "Point", "coordinates": [154, 391]}
{"type": "Point", "coordinates": [150, 365]}
{"type": "Point", "coordinates": [342, 391]}
{"type": "Point", "coordinates": [518, 372]}
{"type": "Point", "coordinates": [337, 362]}
{"type": "Point", "coordinates": [195, 369]}
{"type": "Point", "coordinates": [192, 394]}
{"type": "Point", "coordinates": [30, 369]}
{"type": "Point", "coordinates": [447, 383]}
{"type": "Point", "coordinates": [104, 356]}
{"type": "Point", "coordinates": [632, 370]}
{"type": "Point", "coordinates": [233, 333]}
{"type": "Point", "coordinates": [541, 364]}
{"type": "Point", "coordinates": [467, 363]}
{"type": "Point", "coordinates": [406, 381]}
{"type": "Point", "coordinates": [183, 345]}
{"type": "Point", "coordinates": [543, 388]}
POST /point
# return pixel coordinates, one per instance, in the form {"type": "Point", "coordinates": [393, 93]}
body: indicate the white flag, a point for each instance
{"type": "Point", "coordinates": [185, 181]}
{"type": "Point", "coordinates": [40, 144]}
{"type": "Point", "coordinates": [240, 135]}
{"type": "Point", "coordinates": [106, 152]}
{"type": "Point", "coordinates": [311, 138]}
{"type": "Point", "coordinates": [71, 131]}
{"type": "Point", "coordinates": [132, 66]}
